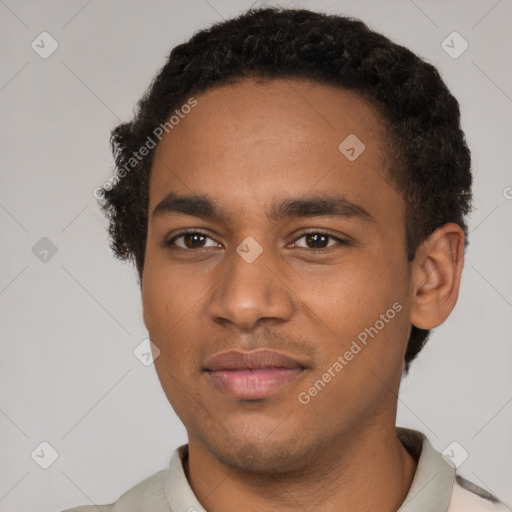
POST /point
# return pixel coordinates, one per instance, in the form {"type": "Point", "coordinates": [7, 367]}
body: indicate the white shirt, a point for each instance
{"type": "Point", "coordinates": [436, 486]}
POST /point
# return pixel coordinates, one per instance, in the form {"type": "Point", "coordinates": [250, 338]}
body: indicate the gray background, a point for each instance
{"type": "Point", "coordinates": [69, 325]}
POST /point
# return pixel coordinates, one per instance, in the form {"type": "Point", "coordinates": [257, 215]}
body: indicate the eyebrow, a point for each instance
{"type": "Point", "coordinates": [204, 206]}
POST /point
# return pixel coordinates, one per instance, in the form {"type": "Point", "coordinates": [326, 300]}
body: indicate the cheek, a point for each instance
{"type": "Point", "coordinates": [170, 315]}
{"type": "Point", "coordinates": [362, 302]}
{"type": "Point", "coordinates": [168, 304]}
{"type": "Point", "coordinates": [352, 293]}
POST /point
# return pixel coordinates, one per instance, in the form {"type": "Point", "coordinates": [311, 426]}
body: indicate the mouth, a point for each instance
{"type": "Point", "coordinates": [252, 375]}
{"type": "Point", "coordinates": [253, 384]}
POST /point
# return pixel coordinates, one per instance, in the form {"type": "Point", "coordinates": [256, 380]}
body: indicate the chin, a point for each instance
{"type": "Point", "coordinates": [261, 455]}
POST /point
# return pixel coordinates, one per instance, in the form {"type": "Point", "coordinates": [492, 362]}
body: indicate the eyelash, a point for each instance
{"type": "Point", "coordinates": [169, 243]}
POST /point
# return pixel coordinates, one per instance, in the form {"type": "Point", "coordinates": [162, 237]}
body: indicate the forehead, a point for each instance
{"type": "Point", "coordinates": [254, 139]}
{"type": "Point", "coordinates": [287, 111]}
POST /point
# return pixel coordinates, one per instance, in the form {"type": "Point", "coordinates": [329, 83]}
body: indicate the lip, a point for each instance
{"type": "Point", "coordinates": [252, 375]}
{"type": "Point", "coordinates": [257, 359]}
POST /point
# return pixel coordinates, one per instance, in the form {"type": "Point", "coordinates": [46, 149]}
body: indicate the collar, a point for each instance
{"type": "Point", "coordinates": [431, 487]}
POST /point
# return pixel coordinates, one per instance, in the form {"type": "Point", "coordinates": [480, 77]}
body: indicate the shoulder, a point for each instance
{"type": "Point", "coordinates": [146, 495]}
{"type": "Point", "coordinates": [469, 497]}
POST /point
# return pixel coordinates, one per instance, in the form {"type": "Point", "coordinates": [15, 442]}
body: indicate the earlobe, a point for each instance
{"type": "Point", "coordinates": [436, 273]}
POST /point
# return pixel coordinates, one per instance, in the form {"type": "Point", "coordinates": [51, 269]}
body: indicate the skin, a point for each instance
{"type": "Point", "coordinates": [245, 146]}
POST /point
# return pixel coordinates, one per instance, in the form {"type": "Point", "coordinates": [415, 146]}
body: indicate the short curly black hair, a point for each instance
{"type": "Point", "coordinates": [432, 163]}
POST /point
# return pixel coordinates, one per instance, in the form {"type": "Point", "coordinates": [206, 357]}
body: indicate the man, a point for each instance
{"type": "Point", "coordinates": [293, 191]}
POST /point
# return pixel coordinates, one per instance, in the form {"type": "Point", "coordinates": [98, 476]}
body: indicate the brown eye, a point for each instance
{"type": "Point", "coordinates": [319, 240]}
{"type": "Point", "coordinates": [316, 240]}
{"type": "Point", "coordinates": [190, 240]}
{"type": "Point", "coordinates": [194, 240]}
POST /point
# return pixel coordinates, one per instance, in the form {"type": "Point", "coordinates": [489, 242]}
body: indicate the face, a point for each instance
{"type": "Point", "coordinates": [292, 245]}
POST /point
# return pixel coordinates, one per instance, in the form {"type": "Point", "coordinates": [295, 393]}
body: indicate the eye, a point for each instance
{"type": "Point", "coordinates": [317, 240]}
{"type": "Point", "coordinates": [193, 239]}
{"type": "Point", "coordinates": [190, 240]}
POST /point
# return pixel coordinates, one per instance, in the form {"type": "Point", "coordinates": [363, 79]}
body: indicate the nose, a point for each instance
{"type": "Point", "coordinates": [251, 292]}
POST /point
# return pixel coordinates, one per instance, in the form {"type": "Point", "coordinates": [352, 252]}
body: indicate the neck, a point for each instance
{"type": "Point", "coordinates": [363, 471]}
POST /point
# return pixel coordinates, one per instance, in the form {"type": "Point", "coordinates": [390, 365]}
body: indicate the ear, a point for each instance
{"type": "Point", "coordinates": [436, 273]}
